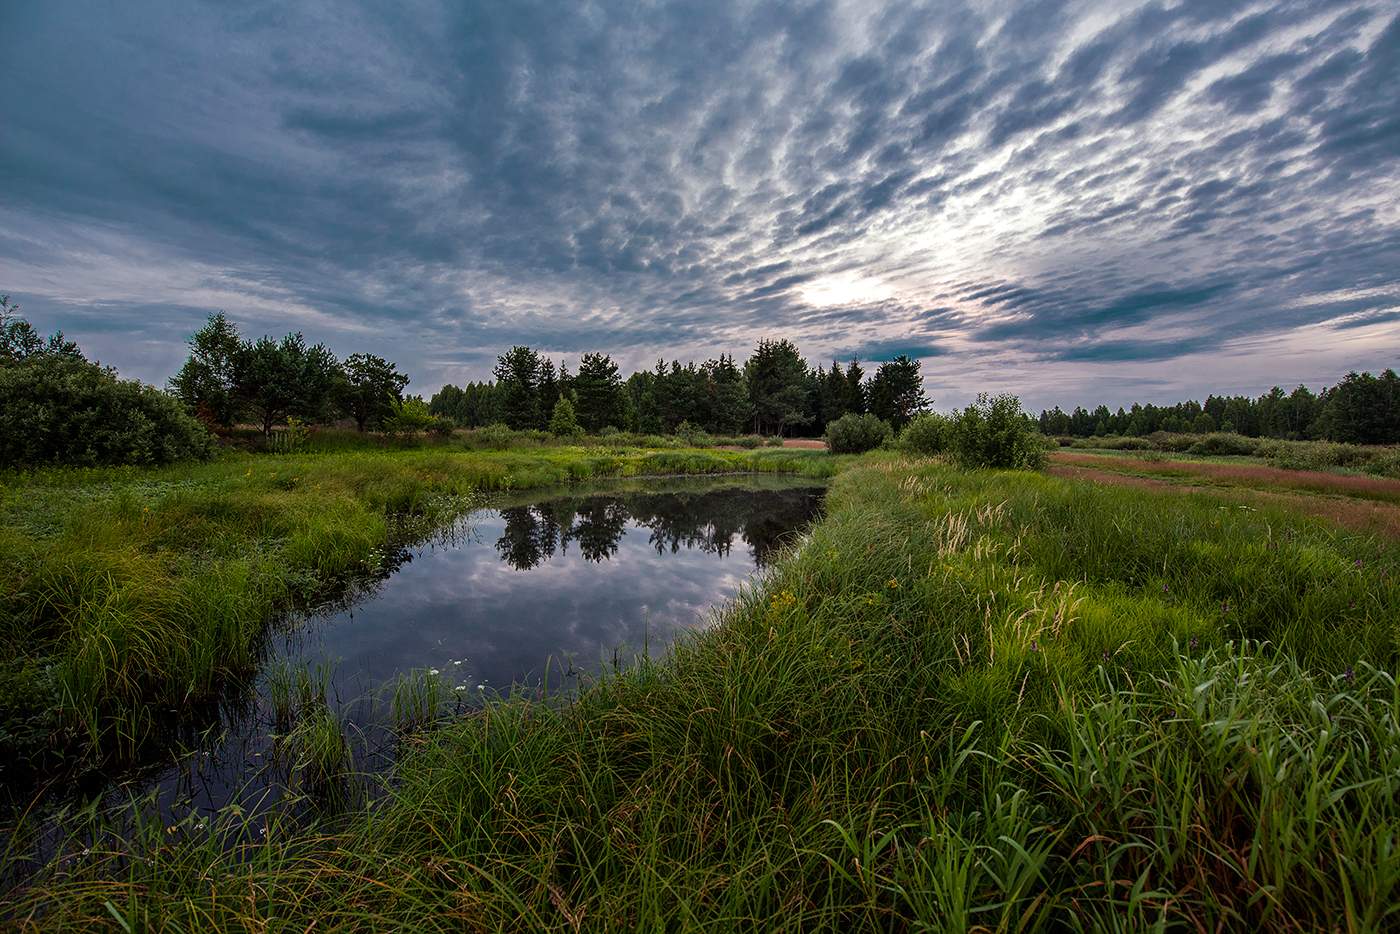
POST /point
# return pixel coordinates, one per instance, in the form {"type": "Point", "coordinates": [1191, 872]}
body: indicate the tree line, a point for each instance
{"type": "Point", "coordinates": [1360, 409]}
{"type": "Point", "coordinates": [774, 391]}
{"type": "Point", "coordinates": [228, 379]}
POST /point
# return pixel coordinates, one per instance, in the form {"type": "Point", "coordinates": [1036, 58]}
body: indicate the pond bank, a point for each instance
{"type": "Point", "coordinates": [130, 597]}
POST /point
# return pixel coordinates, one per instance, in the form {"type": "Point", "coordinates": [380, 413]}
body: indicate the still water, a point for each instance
{"type": "Point", "coordinates": [536, 593]}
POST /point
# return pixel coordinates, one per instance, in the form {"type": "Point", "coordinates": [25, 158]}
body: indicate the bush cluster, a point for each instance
{"type": "Point", "coordinates": [994, 432]}
{"type": "Point", "coordinates": [855, 434]}
{"type": "Point", "coordinates": [926, 434]}
{"type": "Point", "coordinates": [62, 409]}
{"type": "Point", "coordinates": [1224, 444]}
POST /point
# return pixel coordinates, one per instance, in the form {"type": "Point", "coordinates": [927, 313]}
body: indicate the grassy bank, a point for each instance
{"type": "Point", "coordinates": [131, 596]}
{"type": "Point", "coordinates": [996, 701]}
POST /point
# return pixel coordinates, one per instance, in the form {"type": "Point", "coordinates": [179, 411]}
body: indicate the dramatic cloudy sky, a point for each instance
{"type": "Point", "coordinates": [1077, 201]}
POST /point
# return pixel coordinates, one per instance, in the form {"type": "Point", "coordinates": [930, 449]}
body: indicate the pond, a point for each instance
{"type": "Point", "coordinates": [537, 593]}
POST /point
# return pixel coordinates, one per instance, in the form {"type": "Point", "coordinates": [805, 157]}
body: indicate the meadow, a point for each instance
{"type": "Point", "coordinates": [970, 700]}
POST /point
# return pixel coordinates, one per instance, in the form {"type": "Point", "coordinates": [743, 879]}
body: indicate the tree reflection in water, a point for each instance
{"type": "Point", "coordinates": [707, 521]}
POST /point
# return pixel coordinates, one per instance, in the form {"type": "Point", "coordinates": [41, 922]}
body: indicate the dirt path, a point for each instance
{"type": "Point", "coordinates": [1363, 515]}
{"type": "Point", "coordinates": [809, 444]}
{"type": "Point", "coordinates": [1253, 476]}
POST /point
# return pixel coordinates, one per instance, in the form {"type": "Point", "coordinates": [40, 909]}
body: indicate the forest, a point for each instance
{"type": "Point", "coordinates": [1360, 409]}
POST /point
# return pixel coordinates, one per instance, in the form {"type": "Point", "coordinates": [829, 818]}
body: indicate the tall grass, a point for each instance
{"type": "Point", "coordinates": [139, 594]}
{"type": "Point", "coordinates": [986, 701]}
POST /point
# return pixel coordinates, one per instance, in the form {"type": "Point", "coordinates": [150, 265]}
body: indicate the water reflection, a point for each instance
{"type": "Point", "coordinates": [543, 588]}
{"type": "Point", "coordinates": [554, 587]}
{"type": "Point", "coordinates": [706, 521]}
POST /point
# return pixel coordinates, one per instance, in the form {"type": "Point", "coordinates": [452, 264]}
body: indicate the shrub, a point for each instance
{"type": "Point", "coordinates": [693, 435]}
{"type": "Point", "coordinates": [29, 705]}
{"type": "Point", "coordinates": [1385, 464]}
{"type": "Point", "coordinates": [411, 416]}
{"type": "Point", "coordinates": [925, 434]}
{"type": "Point", "coordinates": [563, 421]}
{"type": "Point", "coordinates": [1220, 443]}
{"type": "Point", "coordinates": [853, 434]}
{"type": "Point", "coordinates": [994, 432]}
{"type": "Point", "coordinates": [1123, 443]}
{"type": "Point", "coordinates": [495, 437]}
{"type": "Point", "coordinates": [61, 409]}
{"type": "Point", "coordinates": [1175, 442]}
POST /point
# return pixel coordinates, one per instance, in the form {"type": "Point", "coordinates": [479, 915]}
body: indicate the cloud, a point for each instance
{"type": "Point", "coordinates": [1004, 190]}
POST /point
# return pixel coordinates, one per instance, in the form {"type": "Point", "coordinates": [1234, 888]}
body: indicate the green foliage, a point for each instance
{"type": "Point", "coordinates": [1222, 444]}
{"type": "Point", "coordinates": [207, 382]}
{"type": "Point", "coordinates": [1361, 409]}
{"type": "Point", "coordinates": [993, 432]}
{"type": "Point", "coordinates": [474, 405]}
{"type": "Point", "coordinates": [926, 434]}
{"type": "Point", "coordinates": [19, 341]}
{"type": "Point", "coordinates": [60, 409]}
{"type": "Point", "coordinates": [856, 434]}
{"type": "Point", "coordinates": [518, 373]}
{"type": "Point", "coordinates": [412, 416]}
{"type": "Point", "coordinates": [597, 388]}
{"type": "Point", "coordinates": [693, 435]}
{"type": "Point", "coordinates": [292, 439]}
{"type": "Point", "coordinates": [727, 394]}
{"type": "Point", "coordinates": [896, 391]}
{"type": "Point", "coordinates": [417, 699]}
{"type": "Point", "coordinates": [372, 389]}
{"type": "Point", "coordinates": [777, 379]}
{"type": "Point", "coordinates": [29, 703]}
{"type": "Point", "coordinates": [277, 379]}
{"type": "Point", "coordinates": [1364, 409]}
{"type": "Point", "coordinates": [562, 421]}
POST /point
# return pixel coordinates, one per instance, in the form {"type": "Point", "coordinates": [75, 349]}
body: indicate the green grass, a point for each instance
{"type": "Point", "coordinates": [130, 597]}
{"type": "Point", "coordinates": [991, 701]}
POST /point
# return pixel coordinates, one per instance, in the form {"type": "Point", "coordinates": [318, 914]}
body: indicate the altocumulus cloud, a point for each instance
{"type": "Point", "coordinates": [1064, 199]}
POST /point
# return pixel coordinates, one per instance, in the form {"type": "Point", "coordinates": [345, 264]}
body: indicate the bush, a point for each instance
{"type": "Point", "coordinates": [1123, 443]}
{"type": "Point", "coordinates": [1220, 444]}
{"type": "Point", "coordinates": [1174, 442]}
{"type": "Point", "coordinates": [29, 705]}
{"type": "Point", "coordinates": [1385, 464]}
{"type": "Point", "coordinates": [61, 409]}
{"type": "Point", "coordinates": [693, 435]}
{"type": "Point", "coordinates": [495, 437]}
{"type": "Point", "coordinates": [411, 416]}
{"type": "Point", "coordinates": [925, 434]}
{"type": "Point", "coordinates": [994, 432]}
{"type": "Point", "coordinates": [563, 421]}
{"type": "Point", "coordinates": [853, 434]}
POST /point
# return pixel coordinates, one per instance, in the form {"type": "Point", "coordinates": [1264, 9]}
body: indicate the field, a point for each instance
{"type": "Point", "coordinates": [985, 700]}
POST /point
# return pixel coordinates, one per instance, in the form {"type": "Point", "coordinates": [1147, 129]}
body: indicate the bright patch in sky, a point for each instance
{"type": "Point", "coordinates": [845, 289]}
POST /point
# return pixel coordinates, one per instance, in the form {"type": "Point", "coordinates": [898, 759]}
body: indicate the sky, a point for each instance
{"type": "Point", "coordinates": [1077, 202]}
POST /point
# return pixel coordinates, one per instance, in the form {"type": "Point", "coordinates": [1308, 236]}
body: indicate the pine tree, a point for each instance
{"type": "Point", "coordinates": [897, 391]}
{"type": "Point", "coordinates": [518, 383]}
